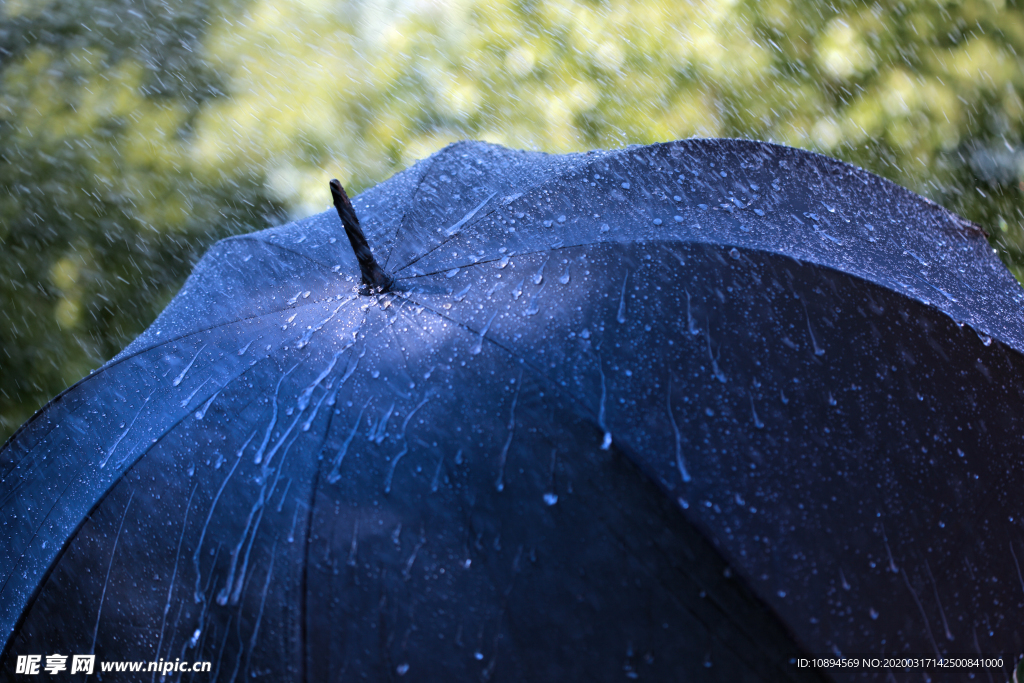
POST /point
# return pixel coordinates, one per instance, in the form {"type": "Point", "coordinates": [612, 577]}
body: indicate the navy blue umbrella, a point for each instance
{"type": "Point", "coordinates": [691, 411]}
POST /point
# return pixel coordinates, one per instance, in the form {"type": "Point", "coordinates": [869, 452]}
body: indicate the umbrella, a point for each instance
{"type": "Point", "coordinates": [689, 410]}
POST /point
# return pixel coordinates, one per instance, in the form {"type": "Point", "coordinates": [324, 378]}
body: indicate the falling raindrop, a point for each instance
{"type": "Point", "coordinates": [550, 498]}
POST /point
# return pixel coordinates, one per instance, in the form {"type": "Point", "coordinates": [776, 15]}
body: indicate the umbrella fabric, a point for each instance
{"type": "Point", "coordinates": [506, 467]}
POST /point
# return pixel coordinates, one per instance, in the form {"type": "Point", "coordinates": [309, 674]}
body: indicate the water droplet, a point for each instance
{"type": "Point", "coordinates": [781, 593]}
{"type": "Point", "coordinates": [402, 669]}
{"type": "Point", "coordinates": [547, 224]}
{"type": "Point", "coordinates": [478, 655]}
{"type": "Point", "coordinates": [657, 221]}
{"type": "Point", "coordinates": [759, 212]}
{"type": "Point", "coordinates": [561, 219]}
{"type": "Point", "coordinates": [873, 612]}
{"type": "Point", "coordinates": [607, 442]}
{"type": "Point", "coordinates": [452, 273]}
{"type": "Point", "coordinates": [625, 186]}
{"type": "Point", "coordinates": [550, 498]}
{"type": "Point", "coordinates": [678, 198]}
{"type": "Point", "coordinates": [734, 252]}
{"type": "Point", "coordinates": [709, 412]}
{"type": "Point", "coordinates": [564, 277]}
{"type": "Point", "coordinates": [605, 227]}
{"type": "Point", "coordinates": [585, 334]}
{"type": "Point", "coordinates": [677, 219]}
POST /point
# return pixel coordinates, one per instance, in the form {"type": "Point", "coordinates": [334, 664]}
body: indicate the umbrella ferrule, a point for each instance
{"type": "Point", "coordinates": [373, 274]}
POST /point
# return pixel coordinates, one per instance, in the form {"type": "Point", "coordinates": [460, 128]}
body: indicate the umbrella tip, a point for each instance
{"type": "Point", "coordinates": [373, 274]}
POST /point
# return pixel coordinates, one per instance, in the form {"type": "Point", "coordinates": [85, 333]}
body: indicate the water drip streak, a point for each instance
{"type": "Point", "coordinates": [319, 326]}
{"type": "Point", "coordinates": [195, 391]}
{"type": "Point", "coordinates": [719, 375]}
{"type": "Point", "coordinates": [125, 432]}
{"type": "Point", "coordinates": [259, 615]}
{"type": "Point", "coordinates": [334, 475]}
{"type": "Point", "coordinates": [753, 409]}
{"type": "Point", "coordinates": [534, 306]}
{"type": "Point", "coordinates": [174, 573]}
{"type": "Point", "coordinates": [1017, 565]}
{"type": "Point", "coordinates": [469, 216]}
{"type": "Point", "coordinates": [273, 417]}
{"type": "Point", "coordinates": [675, 429]}
{"type": "Point", "coordinates": [607, 442]}
{"type": "Point", "coordinates": [201, 413]}
{"type": "Point", "coordinates": [394, 464]}
{"type": "Point", "coordinates": [177, 380]}
{"type": "Point", "coordinates": [405, 443]}
{"type": "Point", "coordinates": [942, 612]}
{"type": "Point", "coordinates": [198, 595]}
{"type": "Point", "coordinates": [500, 483]}
{"type": "Point", "coordinates": [621, 317]}
{"type": "Point", "coordinates": [924, 616]}
{"type": "Point", "coordinates": [103, 594]}
{"type": "Point", "coordinates": [480, 341]}
{"type": "Point", "coordinates": [304, 397]}
{"type": "Point", "coordinates": [309, 420]}
{"type": "Point", "coordinates": [818, 351]}
{"type": "Point", "coordinates": [258, 508]}
{"type": "Point", "coordinates": [691, 324]}
{"type": "Point", "coordinates": [382, 426]}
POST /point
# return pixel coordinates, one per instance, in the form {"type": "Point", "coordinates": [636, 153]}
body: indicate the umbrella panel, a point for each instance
{"type": "Point", "coordinates": [380, 537]}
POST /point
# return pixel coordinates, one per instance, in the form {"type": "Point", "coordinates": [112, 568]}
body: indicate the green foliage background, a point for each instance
{"type": "Point", "coordinates": [134, 133]}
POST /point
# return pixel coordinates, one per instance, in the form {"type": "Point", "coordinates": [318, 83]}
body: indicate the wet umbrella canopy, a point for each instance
{"type": "Point", "coordinates": [506, 466]}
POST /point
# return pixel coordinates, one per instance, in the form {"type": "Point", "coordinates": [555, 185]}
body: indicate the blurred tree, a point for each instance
{"type": "Point", "coordinates": [133, 133]}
